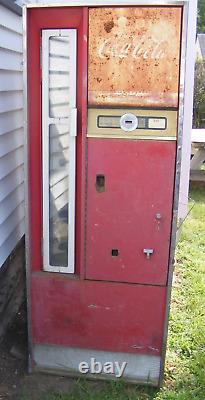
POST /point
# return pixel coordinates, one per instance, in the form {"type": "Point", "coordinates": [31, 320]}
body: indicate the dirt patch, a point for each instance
{"type": "Point", "coordinates": [38, 386]}
{"type": "Point", "coordinates": [13, 356]}
{"type": "Point", "coordinates": [15, 382]}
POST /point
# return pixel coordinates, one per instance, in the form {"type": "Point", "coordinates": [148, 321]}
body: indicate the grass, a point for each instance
{"type": "Point", "coordinates": [185, 368]}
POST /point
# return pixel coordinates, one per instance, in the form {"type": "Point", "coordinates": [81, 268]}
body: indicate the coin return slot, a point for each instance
{"type": "Point", "coordinates": [100, 183]}
{"type": "Point", "coordinates": [115, 252]}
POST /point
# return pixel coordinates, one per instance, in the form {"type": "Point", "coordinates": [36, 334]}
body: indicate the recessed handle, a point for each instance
{"type": "Point", "coordinates": [100, 183]}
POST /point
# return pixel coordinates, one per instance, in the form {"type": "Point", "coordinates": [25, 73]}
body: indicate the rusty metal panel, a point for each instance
{"type": "Point", "coordinates": [134, 55]}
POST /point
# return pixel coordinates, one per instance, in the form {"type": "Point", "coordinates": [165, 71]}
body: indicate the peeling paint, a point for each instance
{"type": "Point", "coordinates": [138, 347]}
{"type": "Point", "coordinates": [92, 306]}
{"type": "Point", "coordinates": [96, 306]}
{"type": "Point", "coordinates": [153, 349]}
{"type": "Point", "coordinates": [135, 346]}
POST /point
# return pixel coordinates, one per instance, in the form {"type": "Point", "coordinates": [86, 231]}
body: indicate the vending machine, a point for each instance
{"type": "Point", "coordinates": [104, 120]}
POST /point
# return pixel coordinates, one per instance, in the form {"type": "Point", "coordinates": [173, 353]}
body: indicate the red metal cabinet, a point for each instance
{"type": "Point", "coordinates": [112, 303]}
{"type": "Point", "coordinates": [98, 315]}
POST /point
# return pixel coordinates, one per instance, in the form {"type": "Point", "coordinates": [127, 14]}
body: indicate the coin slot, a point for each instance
{"type": "Point", "coordinates": [100, 183]}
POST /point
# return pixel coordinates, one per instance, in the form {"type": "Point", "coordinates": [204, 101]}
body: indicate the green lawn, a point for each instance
{"type": "Point", "coordinates": [185, 369]}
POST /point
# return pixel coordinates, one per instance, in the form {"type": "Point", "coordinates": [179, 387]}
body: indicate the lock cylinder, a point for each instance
{"type": "Point", "coordinates": [128, 122]}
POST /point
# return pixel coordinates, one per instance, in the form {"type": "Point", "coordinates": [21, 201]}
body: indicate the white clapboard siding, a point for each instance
{"type": "Point", "coordinates": [11, 133]}
{"type": "Point", "coordinates": [11, 120]}
{"type": "Point", "coordinates": [11, 181]}
{"type": "Point", "coordinates": [11, 100]}
{"type": "Point", "coordinates": [11, 141]}
{"type": "Point", "coordinates": [10, 61]}
{"type": "Point", "coordinates": [11, 81]}
{"type": "Point", "coordinates": [10, 40]}
{"type": "Point", "coordinates": [12, 239]}
{"type": "Point", "coordinates": [11, 222]}
{"type": "Point", "coordinates": [9, 204]}
{"type": "Point", "coordinates": [10, 162]}
{"type": "Point", "coordinates": [10, 20]}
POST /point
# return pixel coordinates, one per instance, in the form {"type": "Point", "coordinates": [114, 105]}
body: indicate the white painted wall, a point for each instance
{"type": "Point", "coordinates": [11, 133]}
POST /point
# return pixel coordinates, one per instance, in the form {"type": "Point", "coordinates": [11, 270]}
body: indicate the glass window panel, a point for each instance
{"type": "Point", "coordinates": [58, 194]}
{"type": "Point", "coordinates": [59, 74]}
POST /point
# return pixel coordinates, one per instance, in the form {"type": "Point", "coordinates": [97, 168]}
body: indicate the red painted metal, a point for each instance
{"type": "Point", "coordinates": [87, 310]}
{"type": "Point", "coordinates": [139, 184]}
{"type": "Point", "coordinates": [39, 19]}
{"type": "Point", "coordinates": [97, 315]}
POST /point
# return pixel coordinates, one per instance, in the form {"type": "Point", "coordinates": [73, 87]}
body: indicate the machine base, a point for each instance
{"type": "Point", "coordinates": [140, 368]}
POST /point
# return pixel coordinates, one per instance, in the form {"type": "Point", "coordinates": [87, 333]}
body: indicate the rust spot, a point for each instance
{"type": "Point", "coordinates": [143, 47]}
{"type": "Point", "coordinates": [109, 25]}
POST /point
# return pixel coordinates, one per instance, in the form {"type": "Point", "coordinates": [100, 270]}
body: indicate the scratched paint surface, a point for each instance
{"type": "Point", "coordinates": [134, 55]}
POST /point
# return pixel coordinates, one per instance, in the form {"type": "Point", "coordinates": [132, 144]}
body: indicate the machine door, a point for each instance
{"type": "Point", "coordinates": [59, 147]}
{"type": "Point", "coordinates": [133, 100]}
{"type": "Point", "coordinates": [130, 194]}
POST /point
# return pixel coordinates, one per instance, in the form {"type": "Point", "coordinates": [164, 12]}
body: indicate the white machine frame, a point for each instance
{"type": "Point", "coordinates": [70, 122]}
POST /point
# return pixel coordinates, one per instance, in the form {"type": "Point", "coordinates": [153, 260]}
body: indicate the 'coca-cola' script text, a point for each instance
{"type": "Point", "coordinates": [143, 48]}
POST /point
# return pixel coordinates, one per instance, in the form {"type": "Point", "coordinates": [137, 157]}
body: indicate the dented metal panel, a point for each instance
{"type": "Point", "coordinates": [134, 56]}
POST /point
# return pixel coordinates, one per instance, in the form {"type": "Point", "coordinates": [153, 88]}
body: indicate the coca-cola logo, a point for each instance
{"type": "Point", "coordinates": [144, 48]}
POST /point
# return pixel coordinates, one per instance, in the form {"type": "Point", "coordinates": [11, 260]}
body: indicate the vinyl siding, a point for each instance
{"type": "Point", "coordinates": [11, 133]}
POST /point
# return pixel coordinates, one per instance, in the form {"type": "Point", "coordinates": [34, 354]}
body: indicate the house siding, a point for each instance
{"type": "Point", "coordinates": [11, 133]}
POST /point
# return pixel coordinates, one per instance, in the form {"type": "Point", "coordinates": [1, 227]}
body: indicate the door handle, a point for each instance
{"type": "Point", "coordinates": [148, 253]}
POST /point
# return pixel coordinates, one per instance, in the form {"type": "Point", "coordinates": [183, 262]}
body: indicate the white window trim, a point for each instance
{"type": "Point", "coordinates": [46, 122]}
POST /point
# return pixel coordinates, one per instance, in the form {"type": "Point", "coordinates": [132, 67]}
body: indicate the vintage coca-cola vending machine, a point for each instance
{"type": "Point", "coordinates": [105, 108]}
